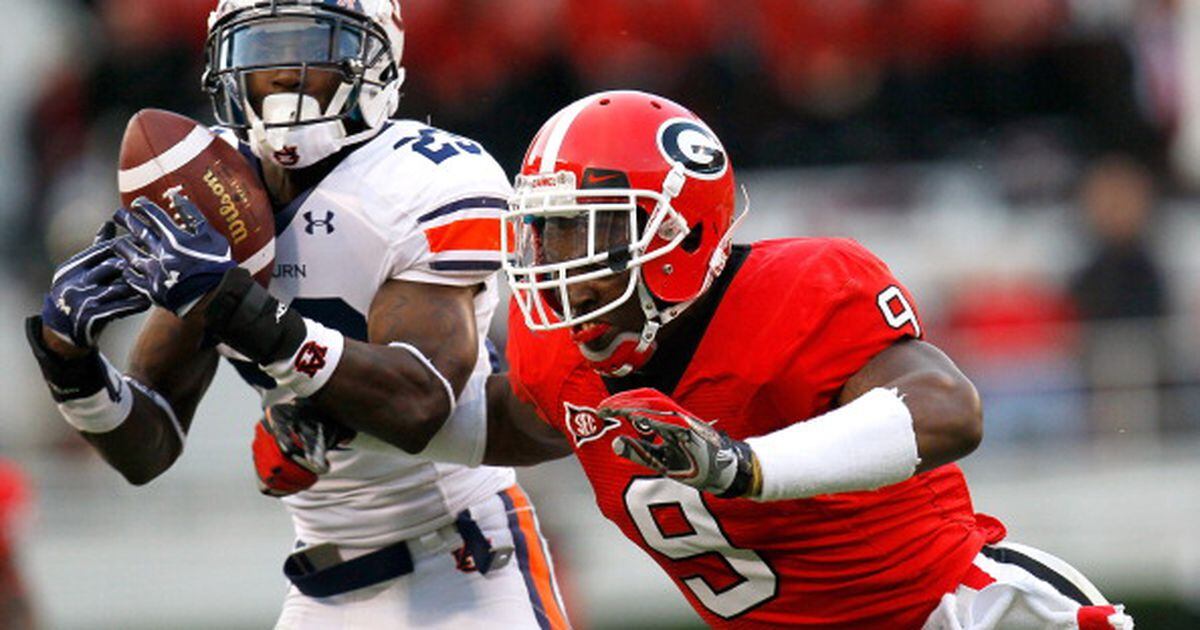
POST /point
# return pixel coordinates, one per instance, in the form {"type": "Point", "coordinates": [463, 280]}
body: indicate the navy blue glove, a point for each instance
{"type": "Point", "coordinates": [173, 266]}
{"type": "Point", "coordinates": [88, 291]}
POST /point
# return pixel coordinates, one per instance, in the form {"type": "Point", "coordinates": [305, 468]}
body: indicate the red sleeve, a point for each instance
{"type": "Point", "coordinates": [536, 364]}
{"type": "Point", "coordinates": [864, 310]}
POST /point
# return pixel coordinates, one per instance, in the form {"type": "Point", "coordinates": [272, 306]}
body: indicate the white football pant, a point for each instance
{"type": "Point", "coordinates": [1015, 587]}
{"type": "Point", "coordinates": [440, 594]}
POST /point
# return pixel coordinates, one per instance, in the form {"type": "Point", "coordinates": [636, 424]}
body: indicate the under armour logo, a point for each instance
{"type": "Point", "coordinates": [326, 223]}
{"type": "Point", "coordinates": [172, 279]}
{"type": "Point", "coordinates": [280, 311]}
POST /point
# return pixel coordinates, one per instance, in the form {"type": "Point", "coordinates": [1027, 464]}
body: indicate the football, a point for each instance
{"type": "Point", "coordinates": [162, 150]}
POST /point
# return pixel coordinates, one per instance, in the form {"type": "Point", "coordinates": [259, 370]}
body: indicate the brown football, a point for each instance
{"type": "Point", "coordinates": [162, 150]}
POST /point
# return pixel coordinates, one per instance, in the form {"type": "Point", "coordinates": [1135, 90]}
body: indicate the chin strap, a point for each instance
{"type": "Point", "coordinates": [621, 362]}
{"type": "Point", "coordinates": [630, 355]}
{"type": "Point", "coordinates": [294, 146]}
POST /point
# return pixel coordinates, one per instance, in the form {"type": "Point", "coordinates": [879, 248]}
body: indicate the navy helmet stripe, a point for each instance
{"type": "Point", "coordinates": [521, 549]}
{"type": "Point", "coordinates": [464, 204]}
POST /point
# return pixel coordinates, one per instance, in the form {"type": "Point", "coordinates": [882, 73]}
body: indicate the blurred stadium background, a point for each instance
{"type": "Point", "coordinates": [1030, 169]}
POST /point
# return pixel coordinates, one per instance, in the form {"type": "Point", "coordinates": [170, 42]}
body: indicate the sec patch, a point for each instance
{"type": "Point", "coordinates": [585, 424]}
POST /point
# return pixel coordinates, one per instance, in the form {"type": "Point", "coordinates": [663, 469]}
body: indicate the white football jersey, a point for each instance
{"type": "Point", "coordinates": [414, 203]}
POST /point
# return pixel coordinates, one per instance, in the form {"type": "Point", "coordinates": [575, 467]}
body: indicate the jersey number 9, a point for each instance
{"type": "Point", "coordinates": [755, 582]}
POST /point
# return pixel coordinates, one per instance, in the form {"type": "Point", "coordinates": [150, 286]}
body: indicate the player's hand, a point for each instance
{"type": "Point", "coordinates": [680, 446]}
{"type": "Point", "coordinates": [173, 266]}
{"type": "Point", "coordinates": [88, 292]}
{"type": "Point", "coordinates": [291, 445]}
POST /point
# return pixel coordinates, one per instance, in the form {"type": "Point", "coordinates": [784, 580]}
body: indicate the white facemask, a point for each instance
{"type": "Point", "coordinates": [295, 146]}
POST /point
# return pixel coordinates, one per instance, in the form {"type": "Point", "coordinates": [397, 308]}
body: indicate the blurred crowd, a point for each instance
{"type": "Point", "coordinates": [787, 82]}
{"type": "Point", "coordinates": [1062, 102]}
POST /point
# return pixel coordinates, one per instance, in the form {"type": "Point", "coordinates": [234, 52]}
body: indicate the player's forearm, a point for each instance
{"type": "Point", "coordinates": [142, 447]}
{"type": "Point", "coordinates": [131, 426]}
{"type": "Point", "coordinates": [387, 392]}
{"type": "Point", "coordinates": [390, 390]}
{"type": "Point", "coordinates": [516, 436]}
{"type": "Point", "coordinates": [908, 423]}
{"type": "Point", "coordinates": [907, 411]}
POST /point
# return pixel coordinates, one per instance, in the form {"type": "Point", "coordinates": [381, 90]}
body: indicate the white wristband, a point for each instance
{"type": "Point", "coordinates": [307, 371]}
{"type": "Point", "coordinates": [100, 412]}
{"type": "Point", "coordinates": [866, 444]}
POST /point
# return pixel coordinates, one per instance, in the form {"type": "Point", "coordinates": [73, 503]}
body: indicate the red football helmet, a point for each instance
{"type": "Point", "coordinates": [640, 185]}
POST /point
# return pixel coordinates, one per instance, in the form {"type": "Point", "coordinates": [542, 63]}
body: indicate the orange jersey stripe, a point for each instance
{"type": "Point", "coordinates": [539, 564]}
{"type": "Point", "coordinates": [465, 234]}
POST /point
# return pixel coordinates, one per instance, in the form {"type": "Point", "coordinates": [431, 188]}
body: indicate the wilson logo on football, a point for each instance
{"type": "Point", "coordinates": [228, 201]}
{"type": "Point", "coordinates": [310, 359]}
{"type": "Point", "coordinates": [586, 425]}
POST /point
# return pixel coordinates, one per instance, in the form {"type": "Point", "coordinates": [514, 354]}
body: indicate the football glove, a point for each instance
{"type": "Point", "coordinates": [680, 446]}
{"type": "Point", "coordinates": [88, 292]}
{"type": "Point", "coordinates": [247, 318]}
{"type": "Point", "coordinates": [291, 445]}
{"type": "Point", "coordinates": [173, 266]}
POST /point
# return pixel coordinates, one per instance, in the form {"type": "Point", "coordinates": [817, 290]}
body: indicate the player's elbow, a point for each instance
{"type": "Point", "coordinates": [454, 370]}
{"type": "Point", "coordinates": [427, 413]}
{"type": "Point", "coordinates": [964, 411]}
{"type": "Point", "coordinates": [142, 473]}
{"type": "Point", "coordinates": [139, 477]}
{"type": "Point", "coordinates": [948, 417]}
{"type": "Point", "coordinates": [426, 406]}
{"type": "Point", "coordinates": [140, 466]}
{"type": "Point", "coordinates": [973, 436]}
{"type": "Point", "coordinates": [406, 399]}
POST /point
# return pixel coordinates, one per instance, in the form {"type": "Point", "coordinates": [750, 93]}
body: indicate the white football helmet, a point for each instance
{"type": "Point", "coordinates": [358, 41]}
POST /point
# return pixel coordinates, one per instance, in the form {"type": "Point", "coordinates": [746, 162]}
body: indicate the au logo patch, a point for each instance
{"type": "Point", "coordinates": [287, 156]}
{"type": "Point", "coordinates": [586, 425]}
{"type": "Point", "coordinates": [310, 359]}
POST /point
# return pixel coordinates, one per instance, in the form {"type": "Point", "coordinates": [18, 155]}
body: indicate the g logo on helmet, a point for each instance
{"type": "Point", "coordinates": [693, 146]}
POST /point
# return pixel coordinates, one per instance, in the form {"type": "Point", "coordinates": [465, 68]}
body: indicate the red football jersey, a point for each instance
{"type": "Point", "coordinates": [797, 320]}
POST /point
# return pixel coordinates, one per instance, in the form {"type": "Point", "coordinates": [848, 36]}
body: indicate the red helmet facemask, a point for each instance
{"type": "Point", "coordinates": [621, 183]}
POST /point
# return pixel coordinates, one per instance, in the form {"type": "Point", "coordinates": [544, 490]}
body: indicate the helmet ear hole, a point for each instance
{"type": "Point", "coordinates": [691, 242]}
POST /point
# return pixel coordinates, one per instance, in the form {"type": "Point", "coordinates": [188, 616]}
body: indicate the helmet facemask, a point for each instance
{"type": "Point", "coordinates": [322, 46]}
{"type": "Point", "coordinates": [606, 231]}
{"type": "Point", "coordinates": [593, 234]}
